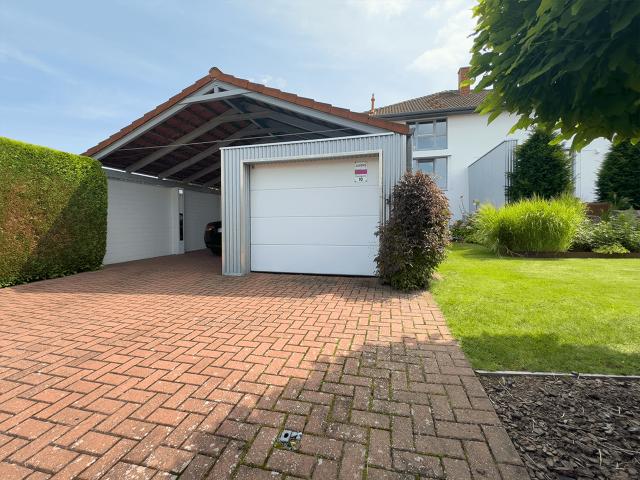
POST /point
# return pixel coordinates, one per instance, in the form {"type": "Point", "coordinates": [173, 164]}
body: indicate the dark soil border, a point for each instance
{"type": "Point", "coordinates": [569, 426]}
{"type": "Point", "coordinates": [516, 373]}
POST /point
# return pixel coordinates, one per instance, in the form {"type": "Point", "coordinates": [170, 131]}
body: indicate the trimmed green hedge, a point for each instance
{"type": "Point", "coordinates": [53, 213]}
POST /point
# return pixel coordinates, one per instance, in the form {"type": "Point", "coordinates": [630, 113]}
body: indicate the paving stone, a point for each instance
{"type": "Point", "coordinates": [169, 459]}
{"type": "Point", "coordinates": [291, 463]}
{"type": "Point", "coordinates": [122, 373]}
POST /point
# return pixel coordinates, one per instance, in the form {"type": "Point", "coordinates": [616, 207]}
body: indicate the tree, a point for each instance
{"type": "Point", "coordinates": [619, 176]}
{"type": "Point", "coordinates": [540, 168]}
{"type": "Point", "coordinates": [413, 241]}
{"type": "Point", "coordinates": [571, 66]}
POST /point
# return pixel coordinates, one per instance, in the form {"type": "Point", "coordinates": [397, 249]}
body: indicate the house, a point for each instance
{"type": "Point", "coordinates": [300, 186]}
{"type": "Point", "coordinates": [468, 157]}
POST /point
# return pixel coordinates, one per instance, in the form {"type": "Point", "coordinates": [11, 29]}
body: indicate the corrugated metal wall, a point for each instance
{"type": "Point", "coordinates": [236, 219]}
{"type": "Point", "coordinates": [488, 177]}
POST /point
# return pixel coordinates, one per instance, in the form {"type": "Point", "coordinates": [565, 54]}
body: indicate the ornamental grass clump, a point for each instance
{"type": "Point", "coordinates": [414, 240]}
{"type": "Point", "coordinates": [533, 225]}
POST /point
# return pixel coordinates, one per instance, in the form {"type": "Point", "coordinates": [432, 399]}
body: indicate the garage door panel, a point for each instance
{"type": "Point", "coordinates": [318, 259]}
{"type": "Point", "coordinates": [335, 173]}
{"type": "Point", "coordinates": [312, 217]}
{"type": "Point", "coordinates": [312, 202]}
{"type": "Point", "coordinates": [314, 230]}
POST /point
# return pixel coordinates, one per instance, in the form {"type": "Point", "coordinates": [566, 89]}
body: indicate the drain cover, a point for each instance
{"type": "Point", "coordinates": [289, 439]}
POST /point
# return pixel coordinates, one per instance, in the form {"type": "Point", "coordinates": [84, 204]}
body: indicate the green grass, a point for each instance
{"type": "Point", "coordinates": [558, 315]}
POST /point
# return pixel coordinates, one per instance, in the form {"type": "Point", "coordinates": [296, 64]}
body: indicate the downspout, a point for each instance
{"type": "Point", "coordinates": [409, 152]}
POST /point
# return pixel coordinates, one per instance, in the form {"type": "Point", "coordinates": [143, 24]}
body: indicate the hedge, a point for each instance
{"type": "Point", "coordinates": [619, 176]}
{"type": "Point", "coordinates": [53, 213]}
{"type": "Point", "coordinates": [540, 169]}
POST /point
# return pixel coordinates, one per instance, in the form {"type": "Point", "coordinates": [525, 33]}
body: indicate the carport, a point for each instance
{"type": "Point", "coordinates": [299, 185]}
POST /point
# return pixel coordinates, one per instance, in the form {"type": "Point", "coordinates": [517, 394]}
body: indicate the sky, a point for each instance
{"type": "Point", "coordinates": [73, 72]}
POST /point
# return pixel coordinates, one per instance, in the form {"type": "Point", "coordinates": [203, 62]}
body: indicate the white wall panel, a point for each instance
{"type": "Point", "coordinates": [199, 209]}
{"type": "Point", "coordinates": [139, 223]}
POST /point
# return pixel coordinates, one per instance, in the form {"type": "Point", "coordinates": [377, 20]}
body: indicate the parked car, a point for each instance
{"type": "Point", "coordinates": [213, 237]}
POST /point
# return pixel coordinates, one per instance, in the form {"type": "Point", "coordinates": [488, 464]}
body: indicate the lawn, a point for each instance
{"type": "Point", "coordinates": [557, 315]}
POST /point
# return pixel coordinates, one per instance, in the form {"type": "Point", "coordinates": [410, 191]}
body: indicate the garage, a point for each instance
{"type": "Point", "coordinates": [315, 216]}
{"type": "Point", "coordinates": [300, 186]}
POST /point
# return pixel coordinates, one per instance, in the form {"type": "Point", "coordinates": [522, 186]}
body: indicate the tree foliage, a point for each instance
{"type": "Point", "coordinates": [540, 168]}
{"type": "Point", "coordinates": [413, 241]}
{"type": "Point", "coordinates": [566, 65]}
{"type": "Point", "coordinates": [619, 176]}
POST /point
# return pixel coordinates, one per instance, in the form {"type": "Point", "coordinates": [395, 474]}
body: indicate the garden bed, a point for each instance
{"type": "Point", "coordinates": [574, 255]}
{"type": "Point", "coordinates": [571, 427]}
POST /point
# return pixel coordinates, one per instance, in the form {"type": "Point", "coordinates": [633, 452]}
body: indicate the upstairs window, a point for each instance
{"type": "Point", "coordinates": [435, 167]}
{"type": "Point", "coordinates": [430, 135]}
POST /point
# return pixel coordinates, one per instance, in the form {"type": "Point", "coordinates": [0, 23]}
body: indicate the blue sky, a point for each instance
{"type": "Point", "coordinates": [72, 72]}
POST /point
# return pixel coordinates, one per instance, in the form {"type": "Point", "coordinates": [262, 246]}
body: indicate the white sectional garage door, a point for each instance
{"type": "Point", "coordinates": [315, 216]}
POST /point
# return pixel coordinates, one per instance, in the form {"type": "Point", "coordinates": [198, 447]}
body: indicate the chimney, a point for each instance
{"type": "Point", "coordinates": [463, 75]}
{"type": "Point", "coordinates": [373, 104]}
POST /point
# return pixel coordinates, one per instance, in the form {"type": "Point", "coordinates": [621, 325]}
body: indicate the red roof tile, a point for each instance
{"type": "Point", "coordinates": [446, 100]}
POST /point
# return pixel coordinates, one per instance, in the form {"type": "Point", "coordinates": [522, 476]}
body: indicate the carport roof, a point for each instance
{"type": "Point", "coordinates": [180, 139]}
{"type": "Point", "coordinates": [216, 74]}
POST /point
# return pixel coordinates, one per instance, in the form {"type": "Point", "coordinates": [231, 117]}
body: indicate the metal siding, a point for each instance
{"type": "Point", "coordinates": [488, 176]}
{"type": "Point", "coordinates": [236, 178]}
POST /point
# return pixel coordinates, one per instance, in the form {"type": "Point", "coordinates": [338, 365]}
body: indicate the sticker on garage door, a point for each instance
{"type": "Point", "coordinates": [360, 172]}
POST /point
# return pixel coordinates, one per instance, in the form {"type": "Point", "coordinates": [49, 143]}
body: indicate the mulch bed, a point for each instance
{"type": "Point", "coordinates": [571, 428]}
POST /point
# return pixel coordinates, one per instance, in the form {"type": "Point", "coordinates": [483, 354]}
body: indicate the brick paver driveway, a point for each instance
{"type": "Point", "coordinates": [163, 368]}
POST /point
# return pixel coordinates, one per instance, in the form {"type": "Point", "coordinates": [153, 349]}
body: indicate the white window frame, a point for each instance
{"type": "Point", "coordinates": [433, 159]}
{"type": "Point", "coordinates": [434, 121]}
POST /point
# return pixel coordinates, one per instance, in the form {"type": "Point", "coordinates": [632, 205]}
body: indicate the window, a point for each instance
{"type": "Point", "coordinates": [431, 135]}
{"type": "Point", "coordinates": [436, 167]}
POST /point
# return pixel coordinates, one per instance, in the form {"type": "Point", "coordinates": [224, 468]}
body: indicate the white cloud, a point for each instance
{"type": "Point", "coordinates": [444, 8]}
{"type": "Point", "coordinates": [386, 8]}
{"type": "Point", "coordinates": [451, 48]}
{"type": "Point", "coordinates": [12, 54]}
{"type": "Point", "coordinates": [273, 81]}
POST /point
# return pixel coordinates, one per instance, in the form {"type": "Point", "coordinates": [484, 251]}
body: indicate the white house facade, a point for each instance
{"type": "Point", "coordinates": [469, 157]}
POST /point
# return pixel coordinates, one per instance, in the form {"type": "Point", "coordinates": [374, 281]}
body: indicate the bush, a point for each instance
{"type": "Point", "coordinates": [535, 225]}
{"type": "Point", "coordinates": [53, 213]}
{"type": "Point", "coordinates": [413, 241]}
{"type": "Point", "coordinates": [619, 176]}
{"type": "Point", "coordinates": [622, 228]}
{"type": "Point", "coordinates": [613, 249]}
{"type": "Point", "coordinates": [465, 229]}
{"type": "Point", "coordinates": [540, 169]}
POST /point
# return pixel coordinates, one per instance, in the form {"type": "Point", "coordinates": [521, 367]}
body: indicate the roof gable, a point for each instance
{"type": "Point", "coordinates": [215, 74]}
